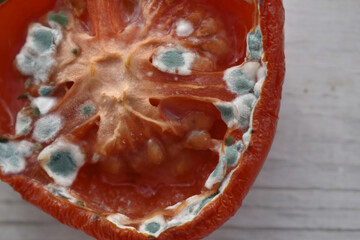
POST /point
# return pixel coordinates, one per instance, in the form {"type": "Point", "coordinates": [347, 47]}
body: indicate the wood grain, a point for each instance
{"type": "Point", "coordinates": [310, 185]}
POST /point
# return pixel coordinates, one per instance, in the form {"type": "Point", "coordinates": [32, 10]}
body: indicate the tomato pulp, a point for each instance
{"type": "Point", "coordinates": [140, 103]}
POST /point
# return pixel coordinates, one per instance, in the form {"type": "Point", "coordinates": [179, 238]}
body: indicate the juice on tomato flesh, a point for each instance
{"type": "Point", "coordinates": [136, 189]}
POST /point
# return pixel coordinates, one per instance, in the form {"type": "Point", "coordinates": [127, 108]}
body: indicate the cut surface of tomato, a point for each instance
{"type": "Point", "coordinates": [138, 119]}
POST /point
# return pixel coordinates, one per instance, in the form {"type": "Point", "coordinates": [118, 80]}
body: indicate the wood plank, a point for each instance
{"type": "Point", "coordinates": [8, 194]}
{"type": "Point", "coordinates": [319, 120]}
{"type": "Point", "coordinates": [40, 232]}
{"type": "Point", "coordinates": [30, 232]}
{"type": "Point", "coordinates": [287, 173]}
{"type": "Point", "coordinates": [302, 199]}
{"type": "Point", "coordinates": [277, 234]}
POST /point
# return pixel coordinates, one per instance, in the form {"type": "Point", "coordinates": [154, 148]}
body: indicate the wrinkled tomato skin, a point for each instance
{"type": "Point", "coordinates": [214, 215]}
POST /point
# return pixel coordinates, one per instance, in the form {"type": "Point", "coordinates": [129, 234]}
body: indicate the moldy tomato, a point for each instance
{"type": "Point", "coordinates": [138, 119]}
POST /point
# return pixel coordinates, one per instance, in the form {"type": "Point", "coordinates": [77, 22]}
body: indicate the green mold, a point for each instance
{"type": "Point", "coordinates": [231, 155]}
{"type": "Point", "coordinates": [227, 111]}
{"type": "Point", "coordinates": [254, 49]}
{"type": "Point", "coordinates": [173, 59]}
{"type": "Point", "coordinates": [3, 140]}
{"type": "Point", "coordinates": [60, 18]}
{"type": "Point", "coordinates": [43, 40]}
{"type": "Point", "coordinates": [45, 90]}
{"type": "Point", "coordinates": [36, 112]}
{"type": "Point", "coordinates": [153, 227]}
{"type": "Point", "coordinates": [229, 141]}
{"type": "Point", "coordinates": [75, 51]}
{"type": "Point", "coordinates": [61, 163]}
{"type": "Point", "coordinates": [240, 82]}
{"type": "Point", "coordinates": [87, 110]}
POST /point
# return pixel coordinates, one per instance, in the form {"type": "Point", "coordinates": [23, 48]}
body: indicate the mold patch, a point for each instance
{"type": "Point", "coordinates": [241, 79]}
{"type": "Point", "coordinates": [46, 128]}
{"type": "Point", "coordinates": [60, 18]}
{"type": "Point", "coordinates": [218, 174]}
{"type": "Point", "coordinates": [13, 154]}
{"type": "Point", "coordinates": [244, 105]}
{"type": "Point", "coordinates": [227, 111]}
{"type": "Point", "coordinates": [45, 91]}
{"type": "Point", "coordinates": [44, 104]}
{"type": "Point", "coordinates": [23, 124]}
{"type": "Point", "coordinates": [247, 137]}
{"type": "Point", "coordinates": [120, 221]}
{"type": "Point", "coordinates": [254, 45]}
{"type": "Point", "coordinates": [232, 154]}
{"type": "Point", "coordinates": [194, 205]}
{"type": "Point", "coordinates": [184, 28]}
{"type": "Point", "coordinates": [153, 226]}
{"type": "Point", "coordinates": [174, 60]}
{"type": "Point", "coordinates": [87, 109]}
{"type": "Point", "coordinates": [64, 193]}
{"type": "Point", "coordinates": [261, 75]}
{"type": "Point", "coordinates": [61, 161]}
{"type": "Point", "coordinates": [36, 57]}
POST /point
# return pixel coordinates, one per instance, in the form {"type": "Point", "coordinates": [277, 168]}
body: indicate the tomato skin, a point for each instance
{"type": "Point", "coordinates": [215, 214]}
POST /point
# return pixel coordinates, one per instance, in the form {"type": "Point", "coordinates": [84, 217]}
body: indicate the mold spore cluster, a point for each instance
{"type": "Point", "coordinates": [61, 160]}
{"type": "Point", "coordinates": [198, 43]}
{"type": "Point", "coordinates": [246, 82]}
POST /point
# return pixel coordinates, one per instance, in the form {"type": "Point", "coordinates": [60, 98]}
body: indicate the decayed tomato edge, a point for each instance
{"type": "Point", "coordinates": [217, 212]}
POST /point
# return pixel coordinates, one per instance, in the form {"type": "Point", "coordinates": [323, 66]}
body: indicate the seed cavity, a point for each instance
{"type": "Point", "coordinates": [198, 140]}
{"type": "Point", "coordinates": [155, 152]}
{"type": "Point", "coordinates": [207, 28]}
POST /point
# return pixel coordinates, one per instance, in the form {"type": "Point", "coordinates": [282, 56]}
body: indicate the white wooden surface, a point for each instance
{"type": "Point", "coordinates": [310, 185]}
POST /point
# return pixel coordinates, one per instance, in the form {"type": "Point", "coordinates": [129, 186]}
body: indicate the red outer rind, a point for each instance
{"type": "Point", "coordinates": [216, 213]}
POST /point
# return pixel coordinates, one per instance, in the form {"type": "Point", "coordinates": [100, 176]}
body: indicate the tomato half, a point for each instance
{"type": "Point", "coordinates": [132, 119]}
